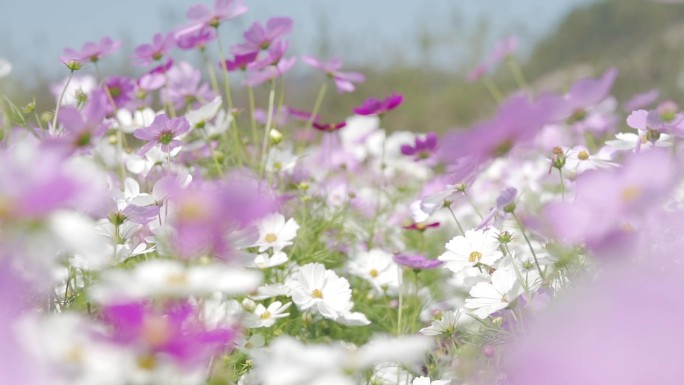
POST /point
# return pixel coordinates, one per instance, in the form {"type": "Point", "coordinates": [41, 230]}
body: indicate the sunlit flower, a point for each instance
{"type": "Point", "coordinates": [487, 298]}
{"type": "Point", "coordinates": [276, 233]}
{"type": "Point", "coordinates": [476, 247]}
{"type": "Point", "coordinates": [265, 317]}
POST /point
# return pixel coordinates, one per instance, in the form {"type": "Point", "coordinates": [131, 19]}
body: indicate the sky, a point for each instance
{"type": "Point", "coordinates": [33, 33]}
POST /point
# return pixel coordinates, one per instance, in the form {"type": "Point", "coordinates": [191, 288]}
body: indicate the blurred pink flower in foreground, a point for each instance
{"type": "Point", "coordinates": [343, 80]}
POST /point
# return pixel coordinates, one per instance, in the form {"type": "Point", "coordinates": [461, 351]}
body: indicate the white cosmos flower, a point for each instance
{"type": "Point", "coordinates": [315, 288]}
{"type": "Point", "coordinates": [131, 121]}
{"type": "Point", "coordinates": [626, 141]}
{"type": "Point", "coordinates": [476, 247]}
{"type": "Point", "coordinates": [377, 267]}
{"type": "Point", "coordinates": [426, 381]}
{"type": "Point", "coordinates": [267, 316]}
{"type": "Point", "coordinates": [264, 261]}
{"type": "Point", "coordinates": [166, 278]}
{"type": "Point", "coordinates": [487, 298]}
{"type": "Point", "coordinates": [578, 159]}
{"type": "Point", "coordinates": [281, 159]}
{"type": "Point", "coordinates": [275, 233]}
{"type": "Point", "coordinates": [200, 117]}
{"type": "Point", "coordinates": [447, 324]}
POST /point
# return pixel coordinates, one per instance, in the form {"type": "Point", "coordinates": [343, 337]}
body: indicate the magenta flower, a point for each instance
{"type": "Point", "coordinates": [329, 127]}
{"type": "Point", "coordinates": [423, 148]}
{"type": "Point", "coordinates": [260, 38]}
{"type": "Point", "coordinates": [91, 51]}
{"type": "Point", "coordinates": [192, 39]}
{"type": "Point", "coordinates": [517, 121]}
{"type": "Point", "coordinates": [344, 81]}
{"type": "Point", "coordinates": [163, 132]}
{"type": "Point", "coordinates": [205, 213]}
{"type": "Point", "coordinates": [642, 100]}
{"type": "Point", "coordinates": [121, 89]}
{"type": "Point", "coordinates": [186, 87]}
{"type": "Point", "coordinates": [173, 331]}
{"type": "Point", "coordinates": [146, 54]}
{"type": "Point", "coordinates": [664, 119]}
{"type": "Point", "coordinates": [83, 128]}
{"type": "Point", "coordinates": [420, 226]}
{"type": "Point", "coordinates": [223, 10]}
{"type": "Point", "coordinates": [418, 262]}
{"type": "Point", "coordinates": [585, 93]}
{"type": "Point", "coordinates": [241, 62]}
{"type": "Point", "coordinates": [373, 106]}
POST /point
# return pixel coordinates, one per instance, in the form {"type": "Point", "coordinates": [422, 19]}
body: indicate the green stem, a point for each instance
{"type": "Point", "coordinates": [493, 90]}
{"type": "Point", "coordinates": [210, 69]}
{"type": "Point", "coordinates": [252, 107]}
{"type": "Point", "coordinates": [529, 244]}
{"type": "Point", "coordinates": [59, 102]}
{"type": "Point", "coordinates": [517, 72]}
{"type": "Point", "coordinates": [317, 104]}
{"type": "Point", "coordinates": [267, 128]}
{"type": "Point", "coordinates": [562, 183]}
{"type": "Point", "coordinates": [460, 228]}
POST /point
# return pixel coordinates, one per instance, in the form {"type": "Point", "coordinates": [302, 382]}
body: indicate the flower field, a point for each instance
{"type": "Point", "coordinates": [188, 226]}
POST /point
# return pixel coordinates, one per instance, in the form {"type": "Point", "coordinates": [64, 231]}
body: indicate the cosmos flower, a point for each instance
{"type": "Point", "coordinates": [487, 298]}
{"type": "Point", "coordinates": [377, 267]}
{"type": "Point", "coordinates": [258, 37]}
{"type": "Point", "coordinates": [315, 288]}
{"type": "Point", "coordinates": [192, 39]}
{"type": "Point", "coordinates": [146, 54]}
{"type": "Point", "coordinates": [417, 262]}
{"type": "Point", "coordinates": [329, 127]}
{"type": "Point", "coordinates": [423, 148]}
{"type": "Point", "coordinates": [163, 132]}
{"type": "Point", "coordinates": [373, 106]}
{"type": "Point", "coordinates": [224, 10]}
{"type": "Point", "coordinates": [476, 247]}
{"type": "Point", "coordinates": [265, 317]}
{"type": "Point", "coordinates": [240, 62]}
{"type": "Point", "coordinates": [343, 80]}
{"type": "Point", "coordinates": [91, 51]}
{"type": "Point", "coordinates": [275, 233]}
{"type": "Point", "coordinates": [447, 324]}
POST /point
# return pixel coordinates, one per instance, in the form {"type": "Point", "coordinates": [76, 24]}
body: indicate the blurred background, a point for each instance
{"type": "Point", "coordinates": [423, 49]}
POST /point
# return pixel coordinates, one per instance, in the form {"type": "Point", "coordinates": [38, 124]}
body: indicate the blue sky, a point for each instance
{"type": "Point", "coordinates": [361, 31]}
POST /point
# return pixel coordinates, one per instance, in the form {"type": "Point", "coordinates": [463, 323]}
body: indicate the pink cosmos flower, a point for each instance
{"type": "Point", "coordinates": [146, 54]}
{"type": "Point", "coordinates": [121, 89]}
{"type": "Point", "coordinates": [91, 51]}
{"type": "Point", "coordinates": [585, 93]}
{"type": "Point", "coordinates": [199, 38]}
{"type": "Point", "coordinates": [186, 87]}
{"type": "Point", "coordinates": [642, 100]}
{"type": "Point", "coordinates": [83, 128]}
{"type": "Point", "coordinates": [329, 127]}
{"type": "Point", "coordinates": [173, 331]}
{"type": "Point", "coordinates": [241, 62]}
{"type": "Point", "coordinates": [665, 119]}
{"type": "Point", "coordinates": [260, 38]}
{"type": "Point", "coordinates": [423, 148]}
{"type": "Point", "coordinates": [272, 66]}
{"type": "Point", "coordinates": [418, 262]}
{"type": "Point", "coordinates": [164, 132]}
{"type": "Point", "coordinates": [420, 226]}
{"type": "Point", "coordinates": [344, 81]}
{"type": "Point", "coordinates": [224, 10]}
{"type": "Point", "coordinates": [373, 106]}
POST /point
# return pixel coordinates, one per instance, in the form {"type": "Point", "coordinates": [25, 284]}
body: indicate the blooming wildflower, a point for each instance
{"type": "Point", "coordinates": [476, 247]}
{"type": "Point", "coordinates": [84, 128]}
{"type": "Point", "coordinates": [264, 261]}
{"type": "Point", "coordinates": [446, 325]}
{"type": "Point", "coordinates": [417, 262]}
{"type": "Point", "coordinates": [487, 298]}
{"type": "Point", "coordinates": [188, 40]}
{"type": "Point", "coordinates": [579, 160]}
{"type": "Point", "coordinates": [642, 100]}
{"type": "Point", "coordinates": [241, 62]}
{"type": "Point", "coordinates": [650, 124]}
{"type": "Point", "coordinates": [185, 87]}
{"type": "Point", "coordinates": [329, 127]}
{"type": "Point", "coordinates": [373, 106]}
{"type": "Point", "coordinates": [121, 89]}
{"type": "Point", "coordinates": [223, 10]}
{"type": "Point", "coordinates": [343, 80]}
{"type": "Point", "coordinates": [314, 287]}
{"type": "Point", "coordinates": [377, 267]}
{"type": "Point", "coordinates": [272, 66]}
{"type": "Point", "coordinates": [421, 226]}
{"type": "Point", "coordinates": [276, 233]}
{"type": "Point", "coordinates": [258, 37]}
{"type": "Point", "coordinates": [426, 381]}
{"type": "Point", "coordinates": [171, 332]}
{"type": "Point", "coordinates": [585, 93]}
{"type": "Point", "coordinates": [83, 85]}
{"type": "Point", "coordinates": [424, 148]}
{"type": "Point", "coordinates": [626, 141]}
{"type": "Point", "coordinates": [265, 317]}
{"type": "Point", "coordinates": [91, 51]}
{"type": "Point", "coordinates": [166, 278]}
{"type": "Point", "coordinates": [163, 131]}
{"type": "Point", "coordinates": [146, 54]}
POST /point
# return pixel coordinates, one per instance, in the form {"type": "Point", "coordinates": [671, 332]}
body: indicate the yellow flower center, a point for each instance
{"type": "Point", "coordinates": [475, 257]}
{"type": "Point", "coordinates": [147, 362]}
{"type": "Point", "coordinates": [266, 315]}
{"type": "Point", "coordinates": [270, 238]}
{"type": "Point", "coordinates": [630, 194]}
{"type": "Point", "coordinates": [177, 279]}
{"type": "Point", "coordinates": [583, 155]}
{"type": "Point", "coordinates": [317, 294]}
{"type": "Point", "coordinates": [373, 273]}
{"type": "Point", "coordinates": [156, 331]}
